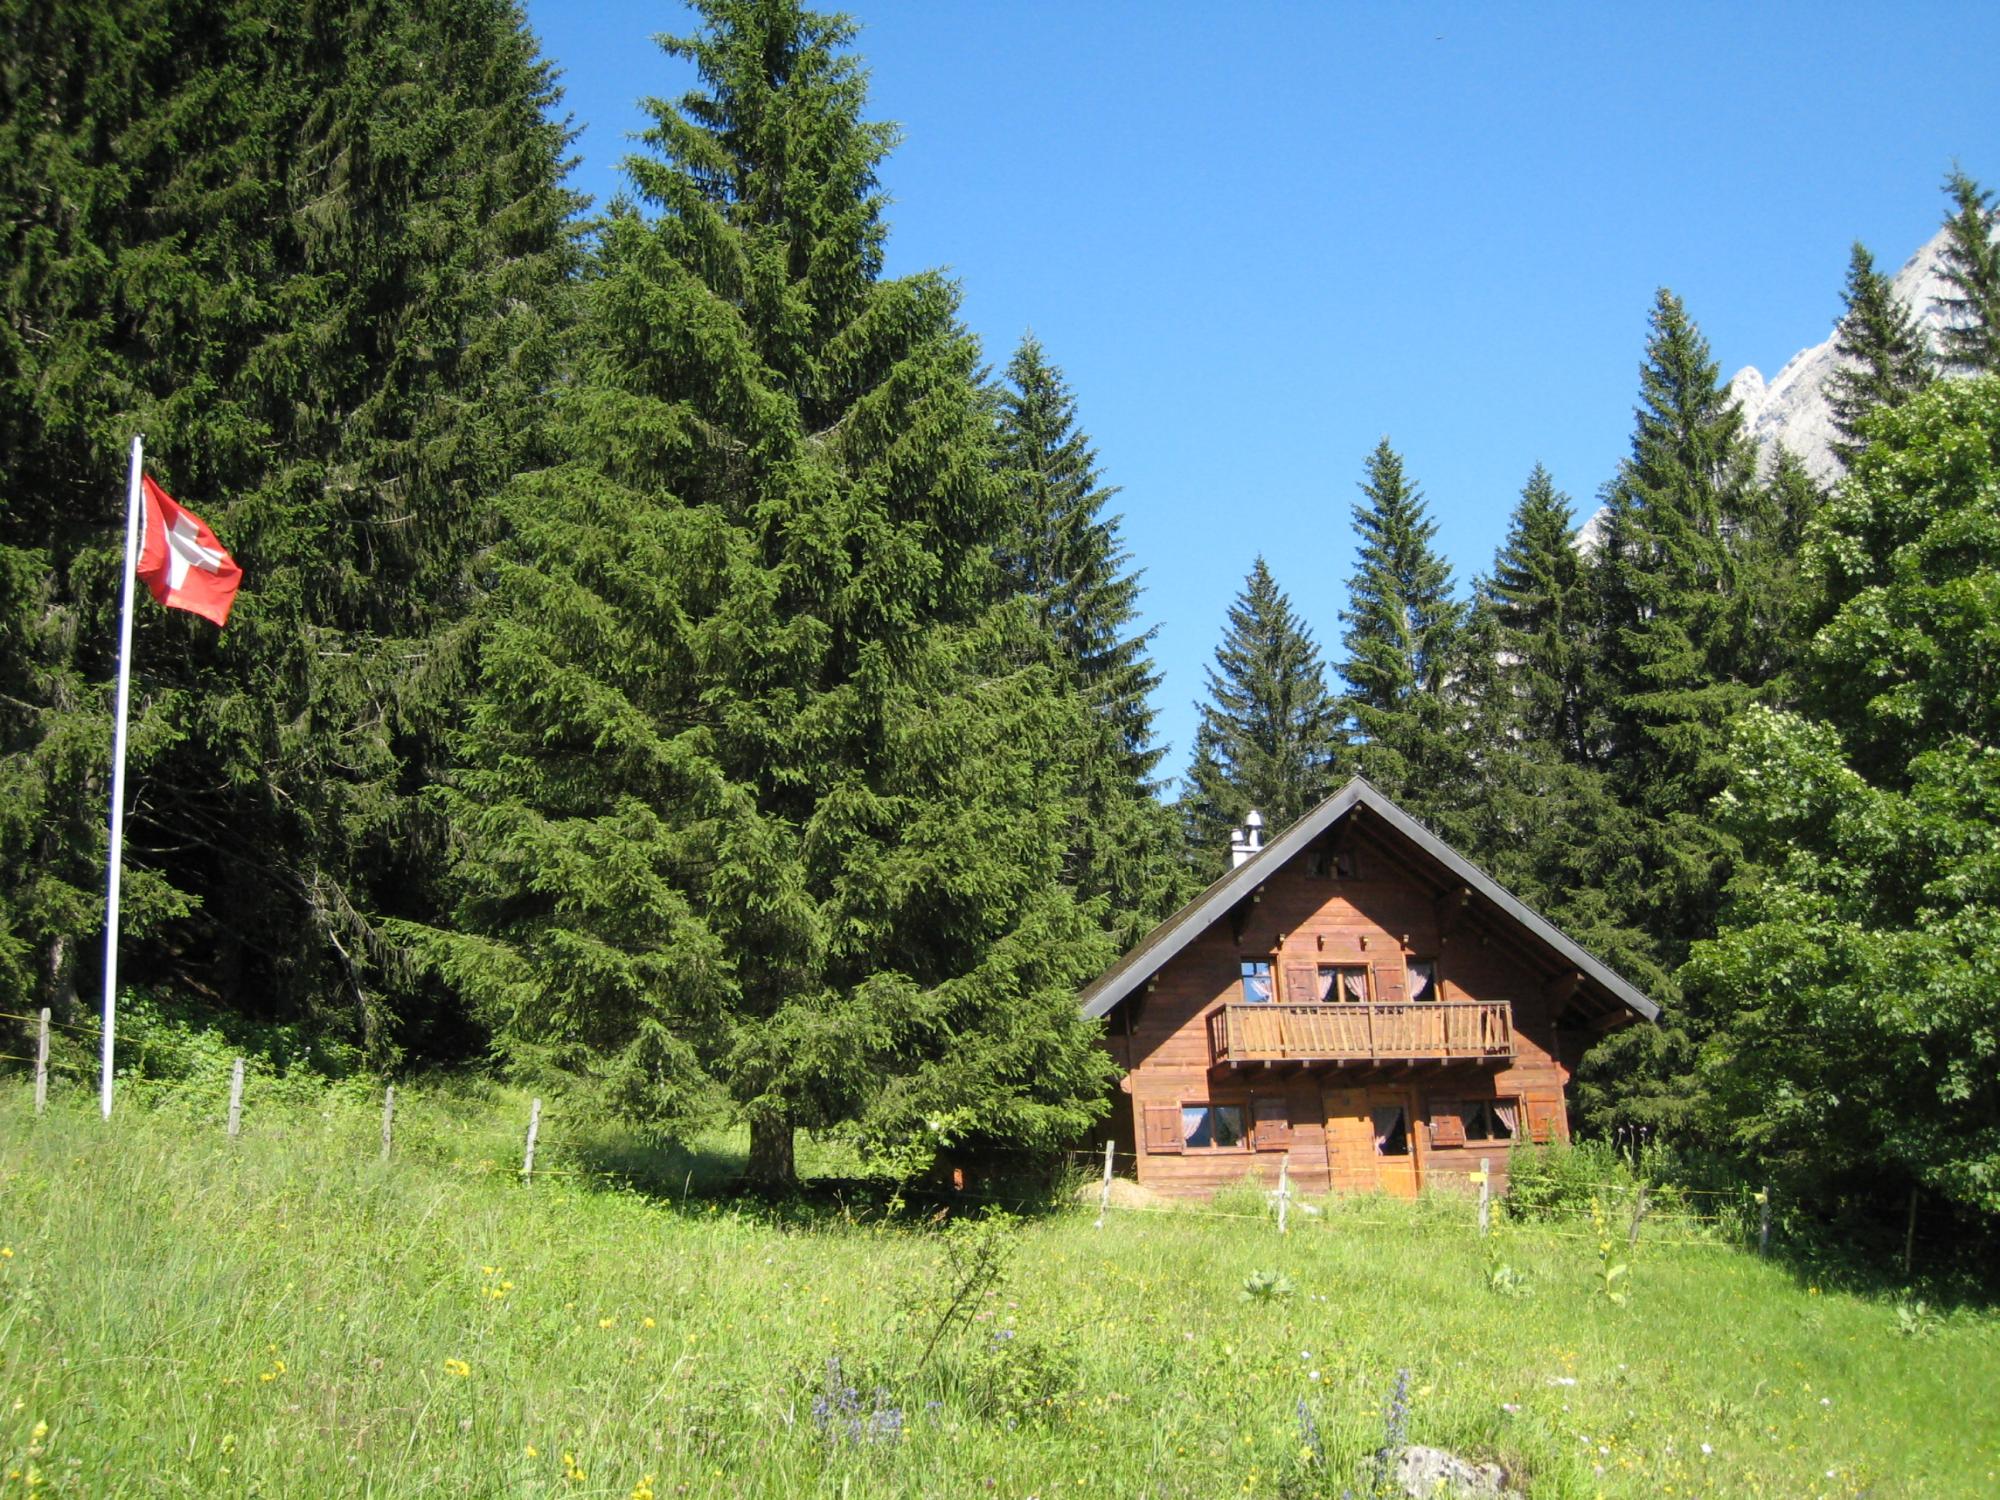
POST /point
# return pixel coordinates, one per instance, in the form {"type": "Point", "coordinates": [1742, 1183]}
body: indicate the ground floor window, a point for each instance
{"type": "Point", "coordinates": [1392, 1130]}
{"type": "Point", "coordinates": [1216, 1126]}
{"type": "Point", "coordinates": [1458, 1121]}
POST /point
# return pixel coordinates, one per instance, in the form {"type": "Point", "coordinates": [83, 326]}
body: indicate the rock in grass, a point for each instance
{"type": "Point", "coordinates": [1433, 1474]}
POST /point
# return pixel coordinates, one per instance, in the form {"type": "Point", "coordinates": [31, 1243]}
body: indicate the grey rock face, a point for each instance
{"type": "Point", "coordinates": [1792, 408]}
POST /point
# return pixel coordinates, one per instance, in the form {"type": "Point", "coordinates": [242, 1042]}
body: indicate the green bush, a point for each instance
{"type": "Point", "coordinates": [1562, 1180]}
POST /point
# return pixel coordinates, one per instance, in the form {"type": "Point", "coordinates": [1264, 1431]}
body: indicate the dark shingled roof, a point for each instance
{"type": "Point", "coordinates": [1185, 925]}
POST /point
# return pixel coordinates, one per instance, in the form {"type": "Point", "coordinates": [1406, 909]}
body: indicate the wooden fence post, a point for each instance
{"type": "Point", "coordinates": [1764, 1222]}
{"type": "Point", "coordinates": [534, 1129]}
{"type": "Point", "coordinates": [388, 1118]}
{"type": "Point", "coordinates": [1284, 1190]}
{"type": "Point", "coordinates": [1485, 1195]}
{"type": "Point", "coordinates": [1910, 1236]}
{"type": "Point", "coordinates": [42, 1065]}
{"type": "Point", "coordinates": [1639, 1207]}
{"type": "Point", "coordinates": [1104, 1197]}
{"type": "Point", "coordinates": [236, 1099]}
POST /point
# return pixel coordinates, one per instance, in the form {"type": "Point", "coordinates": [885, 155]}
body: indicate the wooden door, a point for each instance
{"type": "Point", "coordinates": [1350, 1144]}
{"type": "Point", "coordinates": [1392, 1138]}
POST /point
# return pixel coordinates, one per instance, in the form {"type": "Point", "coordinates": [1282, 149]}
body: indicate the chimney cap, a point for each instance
{"type": "Point", "coordinates": [1255, 820]}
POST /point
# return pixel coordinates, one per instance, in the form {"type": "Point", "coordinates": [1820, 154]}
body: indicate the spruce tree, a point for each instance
{"type": "Point", "coordinates": [1886, 357]}
{"type": "Point", "coordinates": [1403, 639]}
{"type": "Point", "coordinates": [1970, 338]}
{"type": "Point", "coordinates": [1063, 553]}
{"type": "Point", "coordinates": [1542, 609]}
{"type": "Point", "coordinates": [314, 254]}
{"type": "Point", "coordinates": [764, 792]}
{"type": "Point", "coordinates": [1269, 737]}
{"type": "Point", "coordinates": [1675, 593]}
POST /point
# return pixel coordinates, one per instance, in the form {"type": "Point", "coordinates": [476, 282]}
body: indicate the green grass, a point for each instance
{"type": "Point", "coordinates": [286, 1315]}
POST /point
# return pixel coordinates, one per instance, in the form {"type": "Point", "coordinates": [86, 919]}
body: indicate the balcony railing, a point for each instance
{"type": "Point", "coordinates": [1413, 1031]}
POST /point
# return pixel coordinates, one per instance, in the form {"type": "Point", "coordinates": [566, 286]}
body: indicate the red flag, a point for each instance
{"type": "Point", "coordinates": [182, 562]}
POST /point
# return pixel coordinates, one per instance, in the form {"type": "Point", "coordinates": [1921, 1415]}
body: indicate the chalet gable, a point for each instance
{"type": "Point", "coordinates": [1597, 990]}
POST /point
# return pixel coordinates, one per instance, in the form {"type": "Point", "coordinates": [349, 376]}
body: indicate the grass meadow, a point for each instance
{"type": "Point", "coordinates": [286, 1314]}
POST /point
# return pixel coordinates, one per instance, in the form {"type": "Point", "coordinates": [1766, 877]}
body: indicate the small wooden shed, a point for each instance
{"type": "Point", "coordinates": [1357, 996]}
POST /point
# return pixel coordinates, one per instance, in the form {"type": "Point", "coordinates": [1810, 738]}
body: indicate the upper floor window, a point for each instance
{"type": "Point", "coordinates": [1256, 981]}
{"type": "Point", "coordinates": [1326, 863]}
{"type": "Point", "coordinates": [1424, 979]}
{"type": "Point", "coordinates": [1343, 983]}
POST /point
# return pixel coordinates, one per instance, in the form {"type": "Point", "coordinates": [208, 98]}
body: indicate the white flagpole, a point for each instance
{"type": "Point", "coordinates": [118, 769]}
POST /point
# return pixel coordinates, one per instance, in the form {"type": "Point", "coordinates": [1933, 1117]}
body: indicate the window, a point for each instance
{"type": "Point", "coordinates": [1423, 979]}
{"type": "Point", "coordinates": [1392, 1131]}
{"type": "Point", "coordinates": [1463, 1120]}
{"type": "Point", "coordinates": [1212, 1126]}
{"type": "Point", "coordinates": [1330, 864]}
{"type": "Point", "coordinates": [1344, 982]}
{"type": "Point", "coordinates": [1256, 981]}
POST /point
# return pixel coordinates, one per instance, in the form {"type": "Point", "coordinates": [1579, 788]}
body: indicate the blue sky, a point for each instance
{"type": "Point", "coordinates": [1259, 237]}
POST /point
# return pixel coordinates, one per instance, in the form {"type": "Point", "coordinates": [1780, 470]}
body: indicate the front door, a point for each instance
{"type": "Point", "coordinates": [1371, 1141]}
{"type": "Point", "coordinates": [1392, 1121]}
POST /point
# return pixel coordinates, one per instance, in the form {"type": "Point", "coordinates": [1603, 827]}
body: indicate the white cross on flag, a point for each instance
{"type": "Point", "coordinates": [182, 562]}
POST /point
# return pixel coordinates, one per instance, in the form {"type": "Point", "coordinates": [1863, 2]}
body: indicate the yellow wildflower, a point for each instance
{"type": "Point", "coordinates": [643, 1490]}
{"type": "Point", "coordinates": [572, 1470]}
{"type": "Point", "coordinates": [457, 1367]}
{"type": "Point", "coordinates": [6, 1252]}
{"type": "Point", "coordinates": [41, 1431]}
{"type": "Point", "coordinates": [606, 1322]}
{"type": "Point", "coordinates": [530, 1451]}
{"type": "Point", "coordinates": [647, 1323]}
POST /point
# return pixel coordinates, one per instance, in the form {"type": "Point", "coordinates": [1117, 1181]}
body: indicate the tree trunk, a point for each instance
{"type": "Point", "coordinates": [771, 1163]}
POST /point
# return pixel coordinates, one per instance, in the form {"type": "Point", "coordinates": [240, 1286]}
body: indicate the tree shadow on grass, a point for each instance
{"type": "Point", "coordinates": [705, 1174]}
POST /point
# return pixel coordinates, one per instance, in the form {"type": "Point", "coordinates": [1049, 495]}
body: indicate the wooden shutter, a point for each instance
{"type": "Point", "coordinates": [1447, 1125]}
{"type": "Point", "coordinates": [1389, 983]}
{"type": "Point", "coordinates": [1163, 1129]}
{"type": "Point", "coordinates": [1301, 984]}
{"type": "Point", "coordinates": [1273, 1130]}
{"type": "Point", "coordinates": [1546, 1121]}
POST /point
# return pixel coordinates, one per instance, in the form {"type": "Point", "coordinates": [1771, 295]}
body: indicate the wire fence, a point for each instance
{"type": "Point", "coordinates": [1653, 1213]}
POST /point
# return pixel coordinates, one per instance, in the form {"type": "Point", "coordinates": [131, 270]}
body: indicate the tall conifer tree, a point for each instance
{"type": "Point", "coordinates": [1887, 358]}
{"type": "Point", "coordinates": [1543, 609]}
{"type": "Point", "coordinates": [1269, 737]}
{"type": "Point", "coordinates": [764, 790]}
{"type": "Point", "coordinates": [314, 253]}
{"type": "Point", "coordinates": [1403, 639]}
{"type": "Point", "coordinates": [1064, 554]}
{"type": "Point", "coordinates": [1970, 337]}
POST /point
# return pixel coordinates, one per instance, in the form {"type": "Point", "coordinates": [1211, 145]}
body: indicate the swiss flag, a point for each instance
{"type": "Point", "coordinates": [182, 562]}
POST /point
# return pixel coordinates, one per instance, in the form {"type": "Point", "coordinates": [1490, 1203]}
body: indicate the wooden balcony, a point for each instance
{"type": "Point", "coordinates": [1416, 1031]}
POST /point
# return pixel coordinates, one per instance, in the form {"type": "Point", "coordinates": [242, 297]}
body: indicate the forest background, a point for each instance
{"type": "Point", "coordinates": [676, 659]}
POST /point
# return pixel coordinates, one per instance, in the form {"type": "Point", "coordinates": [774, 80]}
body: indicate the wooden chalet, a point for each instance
{"type": "Point", "coordinates": [1357, 996]}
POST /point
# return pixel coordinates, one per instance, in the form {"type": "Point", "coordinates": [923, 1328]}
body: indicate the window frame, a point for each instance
{"type": "Point", "coordinates": [1244, 1144]}
{"type": "Point", "coordinates": [1434, 992]}
{"type": "Point", "coordinates": [1488, 1110]}
{"type": "Point", "coordinates": [1256, 968]}
{"type": "Point", "coordinates": [1334, 989]}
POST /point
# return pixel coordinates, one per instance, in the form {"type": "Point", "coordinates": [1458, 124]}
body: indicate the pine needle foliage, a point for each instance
{"type": "Point", "coordinates": [314, 253]}
{"type": "Point", "coordinates": [1269, 737]}
{"type": "Point", "coordinates": [1885, 357]}
{"type": "Point", "coordinates": [1970, 337]}
{"type": "Point", "coordinates": [1404, 632]}
{"type": "Point", "coordinates": [1542, 607]}
{"type": "Point", "coordinates": [1678, 599]}
{"type": "Point", "coordinates": [767, 786]}
{"type": "Point", "coordinates": [1063, 554]}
